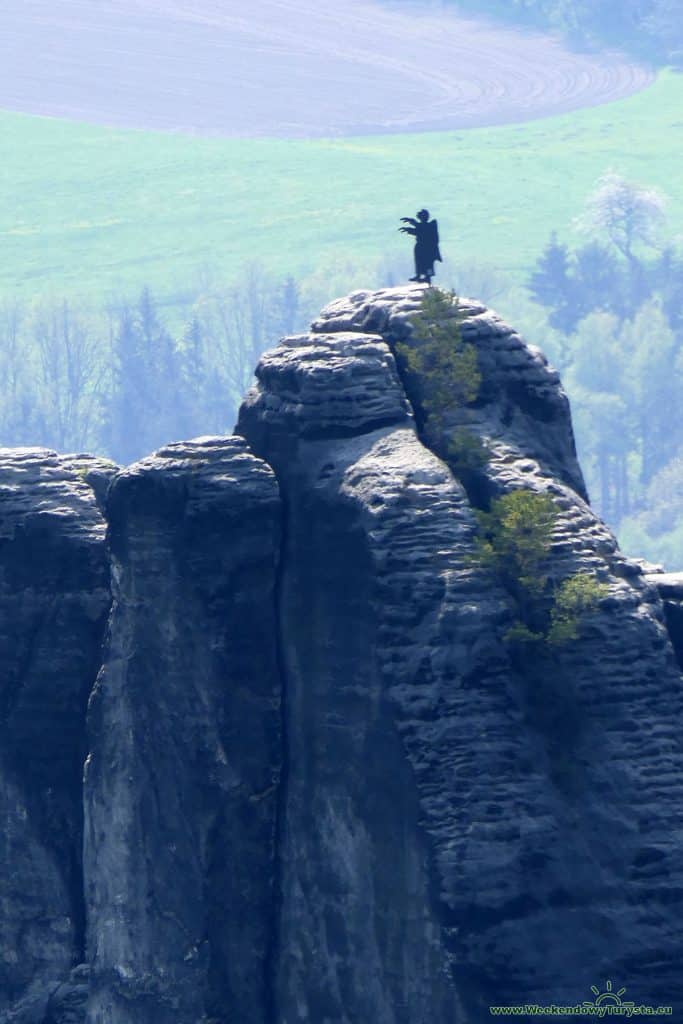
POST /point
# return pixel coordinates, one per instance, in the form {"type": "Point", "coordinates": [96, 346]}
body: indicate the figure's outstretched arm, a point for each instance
{"type": "Point", "coordinates": [409, 220]}
{"type": "Point", "coordinates": [408, 231]}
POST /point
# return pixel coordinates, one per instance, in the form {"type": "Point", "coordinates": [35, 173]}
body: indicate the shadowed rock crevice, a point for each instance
{"type": "Point", "coordinates": [273, 950]}
{"type": "Point", "coordinates": [54, 600]}
{"type": "Point", "coordinates": [521, 409]}
{"type": "Point", "coordinates": [184, 727]}
{"type": "Point", "coordinates": [600, 684]}
{"type": "Point", "coordinates": [669, 586]}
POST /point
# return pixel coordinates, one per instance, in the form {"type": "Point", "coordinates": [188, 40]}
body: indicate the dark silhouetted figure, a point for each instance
{"type": "Point", "coordinates": [426, 233]}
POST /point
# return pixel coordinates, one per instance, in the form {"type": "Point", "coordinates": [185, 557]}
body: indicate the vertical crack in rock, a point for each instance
{"type": "Point", "coordinates": [521, 407]}
{"type": "Point", "coordinates": [54, 599]}
{"type": "Point", "coordinates": [273, 952]}
{"type": "Point", "coordinates": [373, 518]}
{"type": "Point", "coordinates": [669, 586]}
{"type": "Point", "coordinates": [319, 787]}
{"type": "Point", "coordinates": [520, 779]}
{"type": "Point", "coordinates": [184, 729]}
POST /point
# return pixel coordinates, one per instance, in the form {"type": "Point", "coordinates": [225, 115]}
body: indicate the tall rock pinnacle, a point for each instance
{"type": "Point", "coordinates": [319, 784]}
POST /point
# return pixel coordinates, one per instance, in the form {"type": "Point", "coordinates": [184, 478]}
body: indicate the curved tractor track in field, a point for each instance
{"type": "Point", "coordinates": [291, 68]}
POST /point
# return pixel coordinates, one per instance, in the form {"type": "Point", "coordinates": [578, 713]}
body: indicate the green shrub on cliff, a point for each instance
{"type": "Point", "coordinates": [515, 540]}
{"type": "Point", "coordinates": [516, 536]}
{"type": "Point", "coordinates": [575, 598]}
{"type": "Point", "coordinates": [445, 365]}
{"type": "Point", "coordinates": [443, 375]}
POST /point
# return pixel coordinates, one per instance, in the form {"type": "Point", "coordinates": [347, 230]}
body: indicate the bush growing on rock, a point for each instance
{"type": "Point", "coordinates": [516, 538]}
{"type": "Point", "coordinates": [445, 375]}
{"type": "Point", "coordinates": [515, 541]}
{"type": "Point", "coordinates": [446, 366]}
{"type": "Point", "coordinates": [576, 597]}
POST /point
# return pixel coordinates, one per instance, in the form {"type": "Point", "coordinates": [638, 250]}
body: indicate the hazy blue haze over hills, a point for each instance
{"type": "Point", "coordinates": [91, 215]}
{"type": "Point", "coordinates": [650, 28]}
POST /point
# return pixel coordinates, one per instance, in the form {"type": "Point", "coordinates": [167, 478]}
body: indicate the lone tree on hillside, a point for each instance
{"type": "Point", "coordinates": [628, 215]}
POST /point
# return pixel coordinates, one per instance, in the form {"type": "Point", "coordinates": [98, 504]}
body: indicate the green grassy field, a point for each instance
{"type": "Point", "coordinates": [89, 210]}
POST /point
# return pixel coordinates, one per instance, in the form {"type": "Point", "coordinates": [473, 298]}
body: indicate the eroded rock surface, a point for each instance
{"type": "Point", "coordinates": [521, 403]}
{"type": "Point", "coordinates": [184, 741]}
{"type": "Point", "coordinates": [54, 599]}
{"type": "Point", "coordinates": [535, 801]}
{"type": "Point", "coordinates": [670, 588]}
{"type": "Point", "coordinates": [320, 785]}
{"type": "Point", "coordinates": [372, 517]}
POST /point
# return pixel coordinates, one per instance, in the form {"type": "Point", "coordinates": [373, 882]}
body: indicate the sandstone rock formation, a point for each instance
{"type": "Point", "coordinates": [319, 785]}
{"type": "Point", "coordinates": [670, 588]}
{"type": "Point", "coordinates": [54, 600]}
{"type": "Point", "coordinates": [184, 739]}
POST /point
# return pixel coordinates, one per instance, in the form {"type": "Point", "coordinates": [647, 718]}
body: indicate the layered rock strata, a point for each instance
{"type": "Point", "coordinates": [54, 600]}
{"type": "Point", "coordinates": [319, 783]}
{"type": "Point", "coordinates": [548, 797]}
{"type": "Point", "coordinates": [374, 557]}
{"type": "Point", "coordinates": [184, 740]}
{"type": "Point", "coordinates": [670, 588]}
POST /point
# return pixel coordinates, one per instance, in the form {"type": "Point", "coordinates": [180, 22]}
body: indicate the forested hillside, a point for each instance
{"type": "Point", "coordinates": [614, 307]}
{"type": "Point", "coordinates": [145, 324]}
{"type": "Point", "coordinates": [124, 378]}
{"type": "Point", "coordinates": [652, 28]}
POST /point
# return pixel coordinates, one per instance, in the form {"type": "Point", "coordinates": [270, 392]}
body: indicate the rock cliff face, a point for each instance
{"type": "Point", "coordinates": [184, 739]}
{"type": "Point", "coordinates": [670, 588]}
{"type": "Point", "coordinates": [318, 785]}
{"type": "Point", "coordinates": [54, 600]}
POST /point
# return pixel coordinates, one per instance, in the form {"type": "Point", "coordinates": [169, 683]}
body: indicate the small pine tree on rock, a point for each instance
{"type": "Point", "coordinates": [443, 376]}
